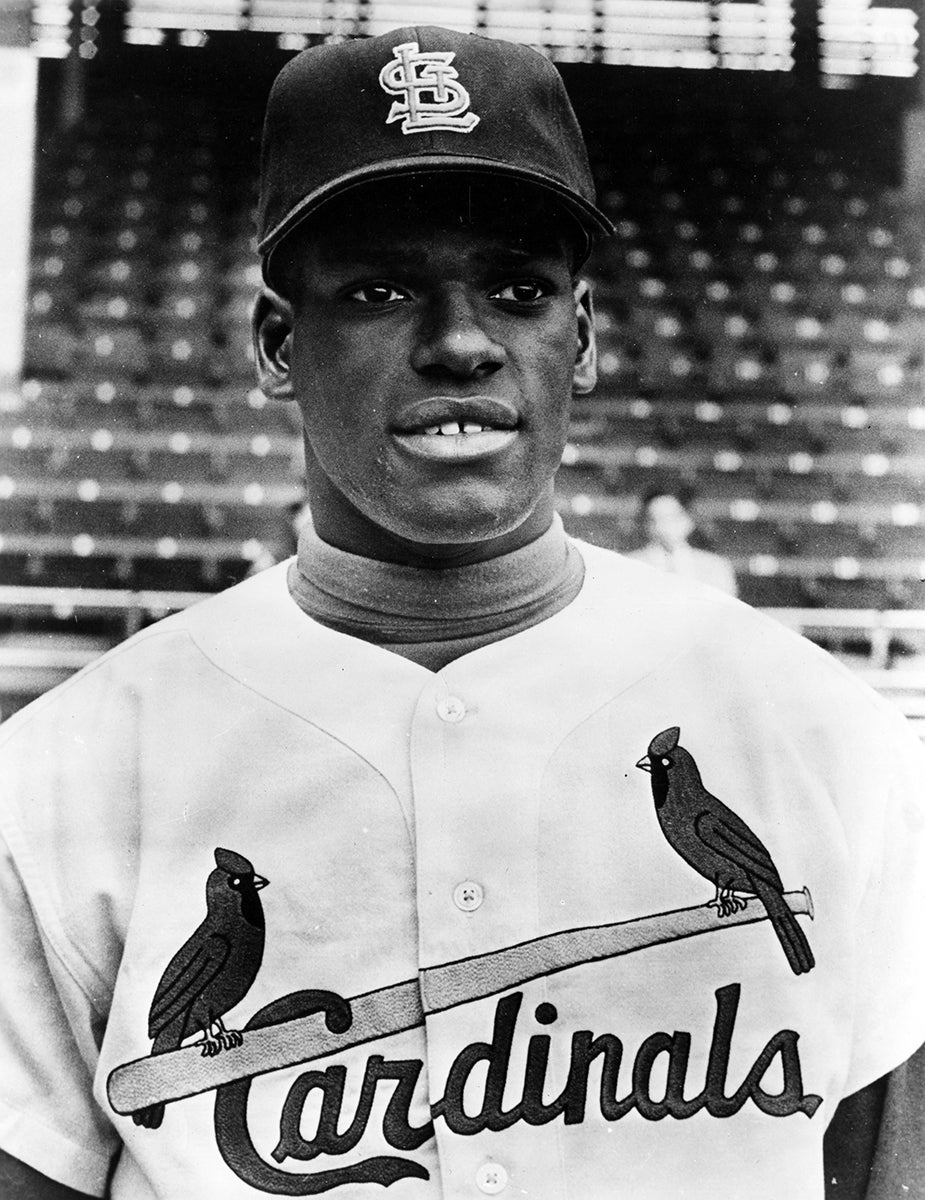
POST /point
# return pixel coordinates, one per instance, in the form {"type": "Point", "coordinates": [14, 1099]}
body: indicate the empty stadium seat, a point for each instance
{"type": "Point", "coordinates": [807, 373]}
{"type": "Point", "coordinates": [883, 373]}
{"type": "Point", "coordinates": [115, 351]}
{"type": "Point", "coordinates": [53, 349]}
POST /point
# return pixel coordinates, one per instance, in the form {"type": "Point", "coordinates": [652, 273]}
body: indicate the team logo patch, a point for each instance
{"type": "Point", "coordinates": [217, 965]}
{"type": "Point", "coordinates": [719, 845]}
{"type": "Point", "coordinates": [212, 971]}
{"type": "Point", "coordinates": [431, 96]}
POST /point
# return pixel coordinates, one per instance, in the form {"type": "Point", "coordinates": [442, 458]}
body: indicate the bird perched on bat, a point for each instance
{"type": "Point", "coordinates": [212, 971]}
{"type": "Point", "coordinates": [718, 844]}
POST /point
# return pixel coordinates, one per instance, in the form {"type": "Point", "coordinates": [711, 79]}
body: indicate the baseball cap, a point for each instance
{"type": "Point", "coordinates": [418, 100]}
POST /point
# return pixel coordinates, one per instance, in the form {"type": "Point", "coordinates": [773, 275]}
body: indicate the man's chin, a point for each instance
{"type": "Point", "coordinates": [432, 527]}
{"type": "Point", "coordinates": [470, 537]}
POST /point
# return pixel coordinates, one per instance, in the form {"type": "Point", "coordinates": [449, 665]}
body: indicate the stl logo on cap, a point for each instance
{"type": "Point", "coordinates": [432, 96]}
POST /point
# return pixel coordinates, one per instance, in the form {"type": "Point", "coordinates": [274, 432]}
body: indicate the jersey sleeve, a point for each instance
{"type": "Point", "coordinates": [69, 853]}
{"type": "Point", "coordinates": [889, 1017]}
{"type": "Point", "coordinates": [48, 1116]}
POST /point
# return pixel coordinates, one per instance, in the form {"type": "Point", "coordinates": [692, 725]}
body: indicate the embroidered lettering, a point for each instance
{"type": "Point", "coordinates": [533, 1107]}
{"type": "Point", "coordinates": [431, 95]}
{"type": "Point", "coordinates": [585, 1049]}
{"type": "Point", "coordinates": [236, 1144]}
{"type": "Point", "coordinates": [497, 1053]}
{"type": "Point", "coordinates": [396, 1124]}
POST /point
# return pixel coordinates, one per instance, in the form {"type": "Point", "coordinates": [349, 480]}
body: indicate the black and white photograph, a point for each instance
{"type": "Point", "coordinates": [462, 599]}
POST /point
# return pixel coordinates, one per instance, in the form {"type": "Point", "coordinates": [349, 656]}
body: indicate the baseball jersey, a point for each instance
{"type": "Point", "coordinates": [488, 969]}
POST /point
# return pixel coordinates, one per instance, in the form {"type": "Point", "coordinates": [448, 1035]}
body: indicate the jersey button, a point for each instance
{"type": "Point", "coordinates": [491, 1178]}
{"type": "Point", "coordinates": [468, 895]}
{"type": "Point", "coordinates": [451, 709]}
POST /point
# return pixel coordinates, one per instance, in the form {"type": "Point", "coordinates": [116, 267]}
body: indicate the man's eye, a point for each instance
{"type": "Point", "coordinates": [377, 293]}
{"type": "Point", "coordinates": [525, 291]}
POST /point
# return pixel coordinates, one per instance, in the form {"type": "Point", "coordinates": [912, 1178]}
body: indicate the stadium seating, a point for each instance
{"type": "Point", "coordinates": [761, 333]}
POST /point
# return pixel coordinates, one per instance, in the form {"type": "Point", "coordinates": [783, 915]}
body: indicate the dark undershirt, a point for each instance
{"type": "Point", "coordinates": [875, 1145]}
{"type": "Point", "coordinates": [434, 616]}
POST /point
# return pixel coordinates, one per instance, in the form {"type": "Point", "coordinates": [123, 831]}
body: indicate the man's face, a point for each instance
{"type": "Point", "coordinates": [435, 337]}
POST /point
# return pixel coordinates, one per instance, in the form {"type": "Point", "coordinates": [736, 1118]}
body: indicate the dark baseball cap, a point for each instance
{"type": "Point", "coordinates": [418, 100]}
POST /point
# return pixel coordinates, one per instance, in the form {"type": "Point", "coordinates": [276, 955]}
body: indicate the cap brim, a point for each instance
{"type": "Point", "coordinates": [587, 215]}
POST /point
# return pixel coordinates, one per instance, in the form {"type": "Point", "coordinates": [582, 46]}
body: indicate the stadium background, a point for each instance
{"type": "Point", "coordinates": [761, 310]}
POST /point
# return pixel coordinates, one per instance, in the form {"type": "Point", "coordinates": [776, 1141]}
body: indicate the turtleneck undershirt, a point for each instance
{"type": "Point", "coordinates": [433, 616]}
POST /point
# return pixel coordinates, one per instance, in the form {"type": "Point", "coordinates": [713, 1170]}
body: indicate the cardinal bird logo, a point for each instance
{"type": "Point", "coordinates": [718, 844]}
{"type": "Point", "coordinates": [212, 971]}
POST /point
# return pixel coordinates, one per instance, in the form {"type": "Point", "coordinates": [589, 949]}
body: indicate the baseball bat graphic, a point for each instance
{"type": "Point", "coordinates": [403, 1006]}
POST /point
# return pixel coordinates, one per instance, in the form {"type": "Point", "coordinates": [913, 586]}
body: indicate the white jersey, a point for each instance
{"type": "Point", "coordinates": [491, 964]}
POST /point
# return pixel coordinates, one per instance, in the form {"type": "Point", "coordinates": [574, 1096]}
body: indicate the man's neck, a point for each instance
{"type": "Point", "coordinates": [345, 528]}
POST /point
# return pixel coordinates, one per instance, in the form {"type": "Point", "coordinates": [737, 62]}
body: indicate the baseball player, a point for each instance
{"type": "Point", "coordinates": [450, 857]}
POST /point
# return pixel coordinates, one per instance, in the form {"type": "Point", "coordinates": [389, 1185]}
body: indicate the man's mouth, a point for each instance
{"type": "Point", "coordinates": [449, 428]}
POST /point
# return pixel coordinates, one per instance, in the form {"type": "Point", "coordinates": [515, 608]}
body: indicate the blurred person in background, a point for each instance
{"type": "Point", "coordinates": [668, 524]}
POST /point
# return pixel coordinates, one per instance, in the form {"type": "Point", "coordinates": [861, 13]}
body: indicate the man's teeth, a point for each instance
{"type": "Point", "coordinates": [453, 428]}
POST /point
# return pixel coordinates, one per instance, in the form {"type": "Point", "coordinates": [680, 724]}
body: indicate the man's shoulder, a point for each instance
{"type": "Point", "coordinates": [656, 604]}
{"type": "Point", "coordinates": [149, 666]}
{"type": "Point", "coordinates": [734, 655]}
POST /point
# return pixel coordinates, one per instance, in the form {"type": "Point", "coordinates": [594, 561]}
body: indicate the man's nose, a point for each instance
{"type": "Point", "coordinates": [453, 339]}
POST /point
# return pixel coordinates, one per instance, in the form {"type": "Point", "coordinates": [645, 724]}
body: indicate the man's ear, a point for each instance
{"type": "Point", "coordinates": [584, 376]}
{"type": "Point", "coordinates": [271, 323]}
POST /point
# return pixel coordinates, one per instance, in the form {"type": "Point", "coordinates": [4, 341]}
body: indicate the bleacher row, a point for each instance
{"type": "Point", "coordinates": [761, 319]}
{"type": "Point", "coordinates": [761, 324]}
